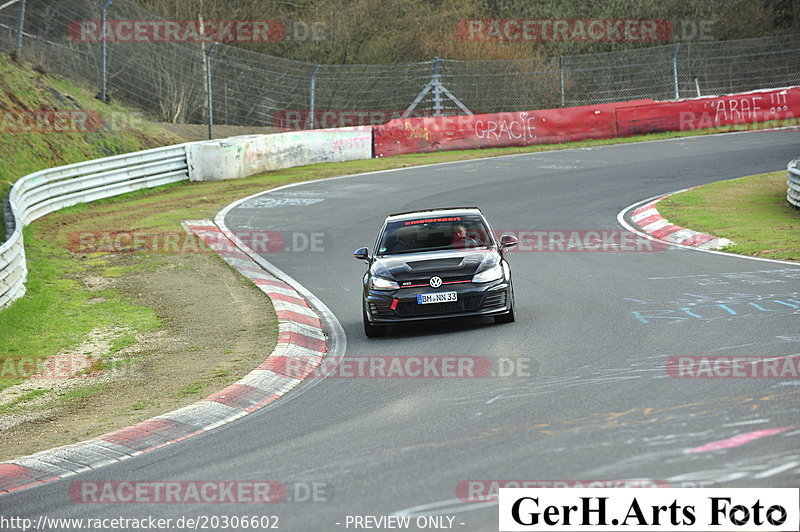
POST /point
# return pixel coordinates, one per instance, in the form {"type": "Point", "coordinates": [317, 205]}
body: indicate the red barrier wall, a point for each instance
{"type": "Point", "coordinates": [703, 113]}
{"type": "Point", "coordinates": [549, 126]}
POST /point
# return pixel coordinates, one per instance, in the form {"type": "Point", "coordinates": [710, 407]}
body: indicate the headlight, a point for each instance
{"type": "Point", "coordinates": [492, 274]}
{"type": "Point", "coordinates": [379, 283]}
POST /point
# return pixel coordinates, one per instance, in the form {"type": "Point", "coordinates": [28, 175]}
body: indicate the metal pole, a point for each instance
{"type": "Point", "coordinates": [697, 86]}
{"type": "Point", "coordinates": [103, 66]}
{"type": "Point", "coordinates": [437, 86]}
{"type": "Point", "coordinates": [311, 101]}
{"type": "Point", "coordinates": [675, 70]}
{"type": "Point", "coordinates": [561, 74]}
{"type": "Point", "coordinates": [208, 88]}
{"type": "Point", "coordinates": [20, 26]}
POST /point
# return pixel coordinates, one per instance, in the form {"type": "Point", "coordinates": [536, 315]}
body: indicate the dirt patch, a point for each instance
{"type": "Point", "coordinates": [217, 327]}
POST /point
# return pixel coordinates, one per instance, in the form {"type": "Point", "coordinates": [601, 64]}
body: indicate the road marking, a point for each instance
{"type": "Point", "coordinates": [775, 470]}
{"type": "Point", "coordinates": [449, 506]}
{"type": "Point", "coordinates": [737, 441]}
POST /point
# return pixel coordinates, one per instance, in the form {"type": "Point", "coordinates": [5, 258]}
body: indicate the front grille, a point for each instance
{"type": "Point", "coordinates": [426, 281]}
{"type": "Point", "coordinates": [467, 304]}
{"type": "Point", "coordinates": [495, 299]}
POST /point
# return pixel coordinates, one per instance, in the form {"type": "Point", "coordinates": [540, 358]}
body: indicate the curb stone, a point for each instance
{"type": "Point", "coordinates": [648, 219]}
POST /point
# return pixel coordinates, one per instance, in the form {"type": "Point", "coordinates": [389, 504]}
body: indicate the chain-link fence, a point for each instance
{"type": "Point", "coordinates": [167, 80]}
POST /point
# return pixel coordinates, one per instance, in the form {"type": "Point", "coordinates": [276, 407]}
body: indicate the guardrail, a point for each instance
{"type": "Point", "coordinates": [793, 174]}
{"type": "Point", "coordinates": [49, 190]}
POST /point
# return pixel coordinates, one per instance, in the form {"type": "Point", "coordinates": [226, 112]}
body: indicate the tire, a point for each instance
{"type": "Point", "coordinates": [373, 331]}
{"type": "Point", "coordinates": [508, 317]}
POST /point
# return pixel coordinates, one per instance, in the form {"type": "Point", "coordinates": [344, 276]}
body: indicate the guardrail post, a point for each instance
{"type": "Point", "coordinates": [8, 217]}
{"type": "Point", "coordinates": [209, 98]}
{"type": "Point", "coordinates": [561, 75]}
{"type": "Point", "coordinates": [103, 50]}
{"type": "Point", "coordinates": [793, 180]}
{"type": "Point", "coordinates": [675, 70]}
{"type": "Point", "coordinates": [20, 27]}
{"type": "Point", "coordinates": [311, 101]}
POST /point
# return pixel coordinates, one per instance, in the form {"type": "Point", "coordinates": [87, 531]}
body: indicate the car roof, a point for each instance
{"type": "Point", "coordinates": [434, 213]}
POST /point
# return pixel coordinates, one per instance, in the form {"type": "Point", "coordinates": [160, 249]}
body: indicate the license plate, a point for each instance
{"type": "Point", "coordinates": [439, 297]}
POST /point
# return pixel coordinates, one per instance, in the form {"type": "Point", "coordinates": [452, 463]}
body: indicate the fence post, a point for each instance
{"type": "Point", "coordinates": [20, 27]}
{"type": "Point", "coordinates": [675, 70]}
{"type": "Point", "coordinates": [311, 101]}
{"type": "Point", "coordinates": [437, 86]}
{"type": "Point", "coordinates": [103, 45]}
{"type": "Point", "coordinates": [209, 99]}
{"type": "Point", "coordinates": [561, 75]}
{"type": "Point", "coordinates": [8, 218]}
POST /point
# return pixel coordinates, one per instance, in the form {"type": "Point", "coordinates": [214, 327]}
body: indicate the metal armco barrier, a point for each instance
{"type": "Point", "coordinates": [49, 190]}
{"type": "Point", "coordinates": [793, 195]}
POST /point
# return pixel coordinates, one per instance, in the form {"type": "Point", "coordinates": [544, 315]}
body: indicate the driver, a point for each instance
{"type": "Point", "coordinates": [459, 238]}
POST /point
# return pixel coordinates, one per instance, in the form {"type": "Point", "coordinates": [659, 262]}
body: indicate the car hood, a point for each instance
{"type": "Point", "coordinates": [445, 263]}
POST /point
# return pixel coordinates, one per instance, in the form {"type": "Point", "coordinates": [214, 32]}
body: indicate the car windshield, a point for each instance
{"type": "Point", "coordinates": [431, 234]}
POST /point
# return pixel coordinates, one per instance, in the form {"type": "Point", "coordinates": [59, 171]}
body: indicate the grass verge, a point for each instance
{"type": "Point", "coordinates": [751, 211]}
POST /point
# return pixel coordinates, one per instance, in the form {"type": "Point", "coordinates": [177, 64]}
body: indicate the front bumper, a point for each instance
{"type": "Point", "coordinates": [474, 299]}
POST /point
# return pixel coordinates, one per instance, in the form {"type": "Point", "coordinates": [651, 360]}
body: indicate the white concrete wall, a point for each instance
{"type": "Point", "coordinates": [253, 154]}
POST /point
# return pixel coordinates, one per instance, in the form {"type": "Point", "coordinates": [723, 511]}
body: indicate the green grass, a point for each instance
{"type": "Point", "coordinates": [55, 314]}
{"type": "Point", "coordinates": [121, 342]}
{"type": "Point", "coordinates": [23, 88]}
{"type": "Point", "coordinates": [22, 399]}
{"type": "Point", "coordinates": [190, 389]}
{"type": "Point", "coordinates": [751, 211]}
{"type": "Point", "coordinates": [84, 391]}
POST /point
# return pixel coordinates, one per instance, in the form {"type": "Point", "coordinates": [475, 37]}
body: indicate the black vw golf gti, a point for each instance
{"type": "Point", "coordinates": [443, 263]}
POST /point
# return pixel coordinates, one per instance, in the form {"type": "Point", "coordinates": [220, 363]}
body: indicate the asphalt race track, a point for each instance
{"type": "Point", "coordinates": [591, 399]}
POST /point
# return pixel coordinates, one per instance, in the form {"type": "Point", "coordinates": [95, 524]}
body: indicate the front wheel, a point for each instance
{"type": "Point", "coordinates": [373, 331]}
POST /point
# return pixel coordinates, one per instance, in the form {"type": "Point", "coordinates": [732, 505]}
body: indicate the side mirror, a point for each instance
{"type": "Point", "coordinates": [508, 241]}
{"type": "Point", "coordinates": [361, 254]}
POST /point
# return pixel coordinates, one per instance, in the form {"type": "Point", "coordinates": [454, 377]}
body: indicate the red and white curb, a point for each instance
{"type": "Point", "coordinates": [301, 337]}
{"type": "Point", "coordinates": [649, 220]}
